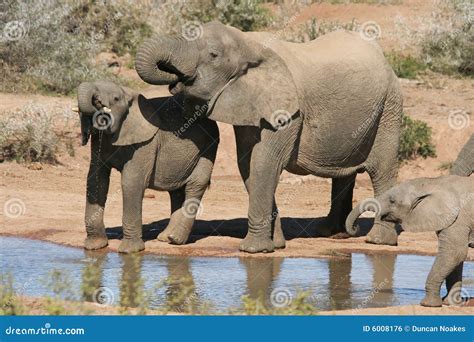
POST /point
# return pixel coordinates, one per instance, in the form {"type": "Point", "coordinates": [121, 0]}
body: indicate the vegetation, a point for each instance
{"type": "Point", "coordinates": [28, 136]}
{"type": "Point", "coordinates": [180, 298]}
{"type": "Point", "coordinates": [243, 14]}
{"type": "Point", "coordinates": [50, 46]}
{"type": "Point", "coordinates": [448, 46]}
{"type": "Point", "coordinates": [10, 303]}
{"type": "Point", "coordinates": [415, 140]}
{"type": "Point", "coordinates": [313, 28]}
{"type": "Point", "coordinates": [405, 66]}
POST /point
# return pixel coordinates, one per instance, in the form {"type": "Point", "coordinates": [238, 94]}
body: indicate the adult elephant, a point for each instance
{"type": "Point", "coordinates": [331, 107]}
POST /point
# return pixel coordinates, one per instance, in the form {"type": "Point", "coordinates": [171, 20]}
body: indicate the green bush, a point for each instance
{"type": "Point", "coordinates": [405, 66]}
{"type": "Point", "coordinates": [28, 136]}
{"type": "Point", "coordinates": [50, 46]}
{"type": "Point", "coordinates": [448, 46]}
{"type": "Point", "coordinates": [121, 25]}
{"type": "Point", "coordinates": [415, 140]}
{"type": "Point", "coordinates": [247, 15]}
{"type": "Point", "coordinates": [313, 29]}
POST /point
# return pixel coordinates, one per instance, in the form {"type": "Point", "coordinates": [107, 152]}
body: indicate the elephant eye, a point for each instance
{"type": "Point", "coordinates": [116, 98]}
{"type": "Point", "coordinates": [213, 54]}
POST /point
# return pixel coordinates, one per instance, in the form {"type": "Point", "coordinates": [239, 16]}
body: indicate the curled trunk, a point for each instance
{"type": "Point", "coordinates": [164, 60]}
{"type": "Point", "coordinates": [85, 94]}
{"type": "Point", "coordinates": [362, 207]}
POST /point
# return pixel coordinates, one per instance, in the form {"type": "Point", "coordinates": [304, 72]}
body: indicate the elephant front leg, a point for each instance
{"type": "Point", "coordinates": [97, 188]}
{"type": "Point", "coordinates": [452, 251]}
{"type": "Point", "coordinates": [265, 169]}
{"type": "Point", "coordinates": [133, 188]}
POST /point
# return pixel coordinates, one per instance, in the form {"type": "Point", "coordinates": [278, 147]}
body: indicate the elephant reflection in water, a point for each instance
{"type": "Point", "coordinates": [181, 294]}
{"type": "Point", "coordinates": [131, 284]}
{"type": "Point", "coordinates": [341, 292]}
{"type": "Point", "coordinates": [92, 275]}
{"type": "Point", "coordinates": [132, 292]}
{"type": "Point", "coordinates": [260, 275]}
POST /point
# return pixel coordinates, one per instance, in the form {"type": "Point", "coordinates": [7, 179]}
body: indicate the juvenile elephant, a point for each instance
{"type": "Point", "coordinates": [444, 205]}
{"type": "Point", "coordinates": [331, 107]}
{"type": "Point", "coordinates": [146, 141]}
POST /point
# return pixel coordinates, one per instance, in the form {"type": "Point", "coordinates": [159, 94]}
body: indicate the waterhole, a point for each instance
{"type": "Point", "coordinates": [358, 281]}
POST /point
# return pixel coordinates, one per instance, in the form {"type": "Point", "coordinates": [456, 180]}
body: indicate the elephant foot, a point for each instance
{"type": "Point", "coordinates": [380, 235]}
{"type": "Point", "coordinates": [340, 236]}
{"type": "Point", "coordinates": [279, 240]}
{"type": "Point", "coordinates": [432, 301]}
{"type": "Point", "coordinates": [131, 246]}
{"type": "Point", "coordinates": [164, 236]}
{"type": "Point", "coordinates": [330, 227]}
{"type": "Point", "coordinates": [253, 244]}
{"type": "Point", "coordinates": [455, 297]}
{"type": "Point", "coordinates": [95, 242]}
{"type": "Point", "coordinates": [179, 236]}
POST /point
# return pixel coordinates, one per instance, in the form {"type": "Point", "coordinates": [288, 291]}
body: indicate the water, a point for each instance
{"type": "Point", "coordinates": [354, 282]}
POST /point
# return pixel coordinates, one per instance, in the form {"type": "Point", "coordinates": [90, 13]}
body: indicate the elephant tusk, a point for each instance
{"type": "Point", "coordinates": [107, 110]}
{"type": "Point", "coordinates": [75, 109]}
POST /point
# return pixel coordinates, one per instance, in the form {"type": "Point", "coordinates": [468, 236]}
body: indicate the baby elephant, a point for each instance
{"type": "Point", "coordinates": [153, 146]}
{"type": "Point", "coordinates": [444, 205]}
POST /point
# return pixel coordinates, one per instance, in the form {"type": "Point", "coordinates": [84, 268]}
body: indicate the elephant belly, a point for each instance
{"type": "Point", "coordinates": [176, 160]}
{"type": "Point", "coordinates": [331, 150]}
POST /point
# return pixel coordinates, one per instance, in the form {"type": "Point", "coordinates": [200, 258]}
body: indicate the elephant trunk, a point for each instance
{"type": "Point", "coordinates": [373, 205]}
{"type": "Point", "coordinates": [160, 60]}
{"type": "Point", "coordinates": [85, 94]}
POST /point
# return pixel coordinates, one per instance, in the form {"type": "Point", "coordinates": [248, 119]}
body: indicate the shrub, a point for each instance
{"type": "Point", "coordinates": [415, 139]}
{"type": "Point", "coordinates": [247, 15]}
{"type": "Point", "coordinates": [446, 37]}
{"type": "Point", "coordinates": [28, 136]}
{"type": "Point", "coordinates": [405, 66]}
{"type": "Point", "coordinates": [50, 45]}
{"type": "Point", "coordinates": [452, 49]}
{"type": "Point", "coordinates": [122, 25]}
{"type": "Point", "coordinates": [10, 303]}
{"type": "Point", "coordinates": [312, 29]}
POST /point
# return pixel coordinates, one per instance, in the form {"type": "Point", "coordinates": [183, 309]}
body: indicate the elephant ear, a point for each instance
{"type": "Point", "coordinates": [135, 127]}
{"type": "Point", "coordinates": [432, 212]}
{"type": "Point", "coordinates": [263, 90]}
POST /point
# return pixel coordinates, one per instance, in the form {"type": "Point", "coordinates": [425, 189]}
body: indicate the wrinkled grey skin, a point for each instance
{"type": "Point", "coordinates": [143, 145]}
{"type": "Point", "coordinates": [444, 205]}
{"type": "Point", "coordinates": [339, 93]}
{"type": "Point", "coordinates": [464, 166]}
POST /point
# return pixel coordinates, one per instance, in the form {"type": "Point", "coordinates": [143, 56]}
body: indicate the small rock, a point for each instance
{"type": "Point", "coordinates": [149, 196]}
{"type": "Point", "coordinates": [35, 166]}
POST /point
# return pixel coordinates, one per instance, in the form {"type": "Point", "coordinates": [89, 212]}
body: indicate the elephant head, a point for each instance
{"type": "Point", "coordinates": [107, 107]}
{"type": "Point", "coordinates": [419, 205]}
{"type": "Point", "coordinates": [242, 80]}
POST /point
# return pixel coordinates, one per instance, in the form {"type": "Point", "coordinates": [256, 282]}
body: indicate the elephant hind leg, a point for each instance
{"type": "Point", "coordinates": [452, 251]}
{"type": "Point", "coordinates": [183, 219]}
{"type": "Point", "coordinates": [341, 205]}
{"type": "Point", "coordinates": [177, 199]}
{"type": "Point", "coordinates": [454, 286]}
